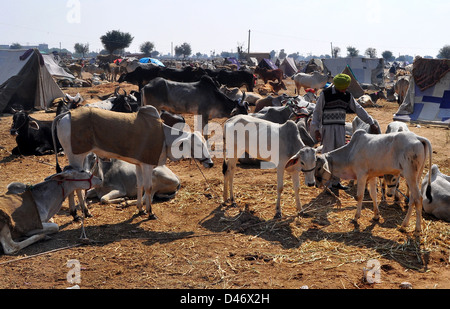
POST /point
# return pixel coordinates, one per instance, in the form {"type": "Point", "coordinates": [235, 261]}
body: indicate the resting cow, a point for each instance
{"type": "Point", "coordinates": [33, 137]}
{"type": "Point", "coordinates": [119, 181]}
{"type": "Point", "coordinates": [138, 138]}
{"type": "Point", "coordinates": [369, 156]}
{"type": "Point", "coordinates": [25, 210]}
{"type": "Point", "coordinates": [438, 203]}
{"type": "Point", "coordinates": [279, 144]}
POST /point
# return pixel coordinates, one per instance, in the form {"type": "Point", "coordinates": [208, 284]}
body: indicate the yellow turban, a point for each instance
{"type": "Point", "coordinates": [342, 81]}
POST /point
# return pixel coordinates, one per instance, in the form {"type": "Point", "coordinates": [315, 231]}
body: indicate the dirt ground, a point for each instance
{"type": "Point", "coordinates": [197, 243]}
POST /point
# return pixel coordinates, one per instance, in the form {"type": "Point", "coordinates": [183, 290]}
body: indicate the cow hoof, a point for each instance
{"type": "Point", "coordinates": [152, 217]}
{"type": "Point", "coordinates": [277, 216]}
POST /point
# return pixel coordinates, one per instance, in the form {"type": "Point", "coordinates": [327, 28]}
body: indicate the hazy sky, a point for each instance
{"type": "Point", "coordinates": [404, 27]}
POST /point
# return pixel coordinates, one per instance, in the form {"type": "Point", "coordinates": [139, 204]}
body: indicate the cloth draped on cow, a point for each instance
{"type": "Point", "coordinates": [132, 135]}
{"type": "Point", "coordinates": [19, 212]}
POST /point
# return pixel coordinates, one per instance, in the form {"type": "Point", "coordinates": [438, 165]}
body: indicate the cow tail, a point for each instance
{"type": "Point", "coordinates": [224, 167]}
{"type": "Point", "coordinates": [428, 146]}
{"type": "Point", "coordinates": [55, 121]}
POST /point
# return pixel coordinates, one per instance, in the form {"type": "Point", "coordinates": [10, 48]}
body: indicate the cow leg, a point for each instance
{"type": "Point", "coordinates": [228, 181]}
{"type": "Point", "coordinates": [10, 246]}
{"type": "Point", "coordinates": [280, 175]}
{"type": "Point", "coordinates": [140, 186]}
{"type": "Point", "coordinates": [147, 171]}
{"type": "Point", "coordinates": [81, 199]}
{"type": "Point", "coordinates": [361, 186]}
{"type": "Point", "coordinates": [373, 195]}
{"type": "Point", "coordinates": [112, 195]}
{"type": "Point", "coordinates": [296, 184]}
{"type": "Point", "coordinates": [414, 199]}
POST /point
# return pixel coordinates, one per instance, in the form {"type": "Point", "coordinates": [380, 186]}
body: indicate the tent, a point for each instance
{"type": "Point", "coordinates": [25, 81]}
{"type": "Point", "coordinates": [268, 64]}
{"type": "Point", "coordinates": [428, 97]}
{"type": "Point", "coordinates": [54, 66]}
{"type": "Point", "coordinates": [314, 64]}
{"type": "Point", "coordinates": [151, 60]}
{"type": "Point", "coordinates": [232, 60]}
{"type": "Point", "coordinates": [288, 66]}
{"type": "Point", "coordinates": [366, 70]}
{"type": "Point", "coordinates": [354, 88]}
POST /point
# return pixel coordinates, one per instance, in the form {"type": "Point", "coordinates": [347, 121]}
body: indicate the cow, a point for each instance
{"type": "Point", "coordinates": [202, 98]}
{"type": "Point", "coordinates": [124, 103]}
{"type": "Point", "coordinates": [276, 87]}
{"type": "Point", "coordinates": [358, 124]}
{"type": "Point", "coordinates": [438, 203]}
{"type": "Point", "coordinates": [235, 94]}
{"type": "Point", "coordinates": [171, 119]}
{"type": "Point", "coordinates": [368, 156]}
{"type": "Point", "coordinates": [111, 70]}
{"type": "Point", "coordinates": [119, 181]}
{"type": "Point", "coordinates": [391, 182]}
{"type": "Point", "coordinates": [401, 87]}
{"type": "Point", "coordinates": [35, 205]}
{"type": "Point", "coordinates": [68, 102]}
{"type": "Point", "coordinates": [314, 81]}
{"type": "Point", "coordinates": [186, 75]}
{"type": "Point", "coordinates": [290, 154]}
{"type": "Point", "coordinates": [140, 76]}
{"type": "Point", "coordinates": [33, 137]}
{"type": "Point", "coordinates": [266, 74]}
{"type": "Point", "coordinates": [236, 79]}
{"type": "Point", "coordinates": [270, 101]}
{"type": "Point", "coordinates": [371, 99]}
{"type": "Point", "coordinates": [138, 138]}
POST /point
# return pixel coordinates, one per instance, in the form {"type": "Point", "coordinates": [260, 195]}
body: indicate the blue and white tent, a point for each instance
{"type": "Point", "coordinates": [427, 103]}
{"type": "Point", "coordinates": [151, 60]}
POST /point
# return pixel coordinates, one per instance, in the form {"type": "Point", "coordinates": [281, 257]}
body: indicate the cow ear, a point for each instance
{"type": "Point", "coordinates": [292, 161]}
{"type": "Point", "coordinates": [33, 125]}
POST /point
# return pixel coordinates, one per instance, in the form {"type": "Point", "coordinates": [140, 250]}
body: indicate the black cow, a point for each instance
{"type": "Point", "coordinates": [33, 137]}
{"type": "Point", "coordinates": [140, 76]}
{"type": "Point", "coordinates": [236, 79]}
{"type": "Point", "coordinates": [185, 75]}
{"type": "Point", "coordinates": [202, 98]}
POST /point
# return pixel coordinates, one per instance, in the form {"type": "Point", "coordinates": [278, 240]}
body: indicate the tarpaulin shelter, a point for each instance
{"type": "Point", "coordinates": [366, 70]}
{"type": "Point", "coordinates": [268, 64]}
{"type": "Point", "coordinates": [288, 66]}
{"type": "Point", "coordinates": [54, 67]}
{"type": "Point", "coordinates": [354, 88]}
{"type": "Point", "coordinates": [428, 97]}
{"type": "Point", "coordinates": [25, 81]}
{"type": "Point", "coordinates": [151, 60]}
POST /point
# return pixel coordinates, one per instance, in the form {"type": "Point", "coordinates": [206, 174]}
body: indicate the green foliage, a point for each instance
{"type": "Point", "coordinates": [115, 40]}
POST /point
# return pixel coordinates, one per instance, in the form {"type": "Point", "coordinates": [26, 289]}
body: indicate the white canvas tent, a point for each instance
{"type": "Point", "coordinates": [288, 66]}
{"type": "Point", "coordinates": [366, 70]}
{"type": "Point", "coordinates": [52, 62]}
{"type": "Point", "coordinates": [25, 81]}
{"type": "Point", "coordinates": [428, 96]}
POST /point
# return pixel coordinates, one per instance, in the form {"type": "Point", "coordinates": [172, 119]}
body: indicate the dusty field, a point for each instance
{"type": "Point", "coordinates": [199, 244]}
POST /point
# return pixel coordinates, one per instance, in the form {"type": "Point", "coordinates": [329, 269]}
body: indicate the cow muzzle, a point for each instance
{"type": "Point", "coordinates": [14, 132]}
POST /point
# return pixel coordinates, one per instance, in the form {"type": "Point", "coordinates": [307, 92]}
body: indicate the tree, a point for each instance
{"type": "Point", "coordinates": [371, 52]}
{"type": "Point", "coordinates": [81, 49]}
{"type": "Point", "coordinates": [15, 46]}
{"type": "Point", "coordinates": [444, 52]}
{"type": "Point", "coordinates": [183, 50]}
{"type": "Point", "coordinates": [282, 54]}
{"type": "Point", "coordinates": [352, 51]}
{"type": "Point", "coordinates": [336, 52]}
{"type": "Point", "coordinates": [147, 48]}
{"type": "Point", "coordinates": [115, 40]}
{"type": "Point", "coordinates": [387, 55]}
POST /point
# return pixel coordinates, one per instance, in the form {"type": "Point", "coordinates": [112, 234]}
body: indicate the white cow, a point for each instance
{"type": "Point", "coordinates": [314, 80]}
{"type": "Point", "coordinates": [192, 145]}
{"type": "Point", "coordinates": [255, 137]}
{"type": "Point", "coordinates": [369, 156]}
{"type": "Point", "coordinates": [48, 197]}
{"type": "Point", "coordinates": [438, 202]}
{"type": "Point", "coordinates": [391, 182]}
{"type": "Point", "coordinates": [119, 181]}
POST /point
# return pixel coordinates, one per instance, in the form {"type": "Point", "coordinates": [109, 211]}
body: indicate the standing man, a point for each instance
{"type": "Point", "coordinates": [329, 116]}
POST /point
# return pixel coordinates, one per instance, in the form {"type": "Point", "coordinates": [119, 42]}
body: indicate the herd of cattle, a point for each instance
{"type": "Point", "coordinates": [136, 164]}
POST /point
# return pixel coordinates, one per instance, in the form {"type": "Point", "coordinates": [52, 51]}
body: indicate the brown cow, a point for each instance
{"type": "Point", "coordinates": [267, 75]}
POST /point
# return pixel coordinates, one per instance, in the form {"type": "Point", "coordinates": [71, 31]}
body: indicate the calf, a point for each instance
{"type": "Point", "coordinates": [368, 156]}
{"type": "Point", "coordinates": [267, 75]}
{"type": "Point", "coordinates": [288, 152]}
{"type": "Point", "coordinates": [438, 202]}
{"type": "Point", "coordinates": [25, 210]}
{"type": "Point", "coordinates": [33, 137]}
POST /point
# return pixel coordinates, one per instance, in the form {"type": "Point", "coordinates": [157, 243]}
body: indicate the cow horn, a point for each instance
{"type": "Point", "coordinates": [116, 91]}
